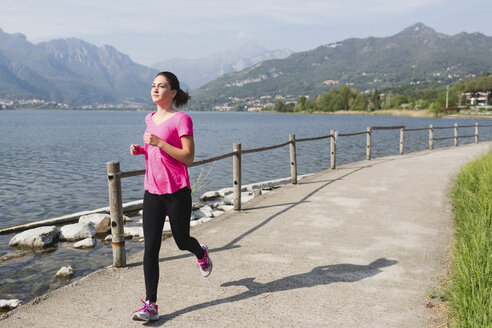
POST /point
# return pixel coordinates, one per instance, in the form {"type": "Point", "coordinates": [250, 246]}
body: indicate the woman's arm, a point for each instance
{"type": "Point", "coordinates": [185, 155]}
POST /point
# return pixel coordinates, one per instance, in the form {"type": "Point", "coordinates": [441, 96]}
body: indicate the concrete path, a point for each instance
{"type": "Point", "coordinates": [359, 246]}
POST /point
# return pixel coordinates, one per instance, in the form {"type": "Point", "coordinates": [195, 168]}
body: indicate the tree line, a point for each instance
{"type": "Point", "coordinates": [403, 97]}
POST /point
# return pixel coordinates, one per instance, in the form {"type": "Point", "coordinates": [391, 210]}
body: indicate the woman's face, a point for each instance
{"type": "Point", "coordinates": [161, 91]}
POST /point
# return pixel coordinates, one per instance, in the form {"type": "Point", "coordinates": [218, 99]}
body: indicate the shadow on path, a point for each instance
{"type": "Point", "coordinates": [319, 276]}
{"type": "Point", "coordinates": [232, 244]}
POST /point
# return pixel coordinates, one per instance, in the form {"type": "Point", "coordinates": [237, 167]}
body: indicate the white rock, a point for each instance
{"type": "Point", "coordinates": [140, 221]}
{"type": "Point", "coordinates": [77, 231]}
{"type": "Point", "coordinates": [225, 208]}
{"type": "Point", "coordinates": [127, 219]}
{"type": "Point", "coordinates": [198, 214]}
{"type": "Point", "coordinates": [207, 210]}
{"type": "Point", "coordinates": [108, 238]}
{"type": "Point", "coordinates": [257, 192]}
{"type": "Point", "coordinates": [246, 197]}
{"type": "Point", "coordinates": [204, 212]}
{"type": "Point", "coordinates": [229, 200]}
{"type": "Point", "coordinates": [102, 222]}
{"type": "Point", "coordinates": [209, 195]}
{"type": "Point", "coordinates": [134, 231]}
{"type": "Point", "coordinates": [193, 217]}
{"type": "Point", "coordinates": [225, 191]}
{"type": "Point", "coordinates": [215, 204]}
{"type": "Point", "coordinates": [85, 243]}
{"type": "Point", "coordinates": [167, 226]}
{"type": "Point", "coordinates": [9, 304]}
{"type": "Point", "coordinates": [36, 238]}
{"type": "Point", "coordinates": [65, 273]}
{"type": "Point", "coordinates": [216, 213]}
{"type": "Point", "coordinates": [268, 184]}
{"type": "Point", "coordinates": [196, 206]}
{"type": "Point", "coordinates": [133, 205]}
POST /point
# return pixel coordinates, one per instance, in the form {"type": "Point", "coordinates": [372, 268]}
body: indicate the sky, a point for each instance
{"type": "Point", "coordinates": [151, 31]}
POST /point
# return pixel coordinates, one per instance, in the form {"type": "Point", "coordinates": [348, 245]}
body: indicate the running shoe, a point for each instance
{"type": "Point", "coordinates": [205, 264]}
{"type": "Point", "coordinates": [146, 313]}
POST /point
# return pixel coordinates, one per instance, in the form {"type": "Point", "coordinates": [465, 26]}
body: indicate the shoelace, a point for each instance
{"type": "Point", "coordinates": [144, 308]}
{"type": "Point", "coordinates": [204, 264]}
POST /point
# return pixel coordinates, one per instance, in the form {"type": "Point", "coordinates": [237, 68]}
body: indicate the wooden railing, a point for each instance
{"type": "Point", "coordinates": [115, 175]}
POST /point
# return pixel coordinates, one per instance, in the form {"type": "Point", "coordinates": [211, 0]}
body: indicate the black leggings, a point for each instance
{"type": "Point", "coordinates": [155, 207]}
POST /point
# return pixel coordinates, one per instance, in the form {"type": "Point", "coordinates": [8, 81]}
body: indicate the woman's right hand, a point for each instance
{"type": "Point", "coordinates": [137, 150]}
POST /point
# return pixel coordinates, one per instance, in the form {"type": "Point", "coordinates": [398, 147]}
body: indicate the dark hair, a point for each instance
{"type": "Point", "coordinates": [181, 97]}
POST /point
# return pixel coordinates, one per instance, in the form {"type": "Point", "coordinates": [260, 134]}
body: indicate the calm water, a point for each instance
{"type": "Point", "coordinates": [54, 163]}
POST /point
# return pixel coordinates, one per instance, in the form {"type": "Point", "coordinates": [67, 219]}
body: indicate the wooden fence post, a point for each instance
{"type": "Point", "coordinates": [476, 132]}
{"type": "Point", "coordinates": [116, 210]}
{"type": "Point", "coordinates": [431, 137]}
{"type": "Point", "coordinates": [368, 143]}
{"type": "Point", "coordinates": [402, 138]}
{"type": "Point", "coordinates": [293, 160]}
{"type": "Point", "coordinates": [333, 148]}
{"type": "Point", "coordinates": [455, 134]}
{"type": "Point", "coordinates": [236, 161]}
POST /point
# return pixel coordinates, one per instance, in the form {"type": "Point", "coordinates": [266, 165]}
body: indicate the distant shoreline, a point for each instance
{"type": "Point", "coordinates": [423, 113]}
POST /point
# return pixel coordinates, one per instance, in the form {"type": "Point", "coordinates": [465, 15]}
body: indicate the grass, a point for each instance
{"type": "Point", "coordinates": [470, 287]}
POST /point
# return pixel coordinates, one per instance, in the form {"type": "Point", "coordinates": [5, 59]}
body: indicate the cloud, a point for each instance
{"type": "Point", "coordinates": [243, 36]}
{"type": "Point", "coordinates": [149, 29]}
{"type": "Point", "coordinates": [48, 18]}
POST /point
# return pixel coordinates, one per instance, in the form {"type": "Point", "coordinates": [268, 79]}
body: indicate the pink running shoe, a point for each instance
{"type": "Point", "coordinates": [205, 264]}
{"type": "Point", "coordinates": [146, 313]}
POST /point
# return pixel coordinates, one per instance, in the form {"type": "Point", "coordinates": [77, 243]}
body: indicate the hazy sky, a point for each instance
{"type": "Point", "coordinates": [150, 31]}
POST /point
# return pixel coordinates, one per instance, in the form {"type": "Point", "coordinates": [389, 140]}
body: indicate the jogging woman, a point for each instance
{"type": "Point", "coordinates": [168, 149]}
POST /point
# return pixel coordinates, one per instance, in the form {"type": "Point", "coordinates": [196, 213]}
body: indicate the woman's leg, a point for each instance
{"type": "Point", "coordinates": [179, 212]}
{"type": "Point", "coordinates": [154, 214]}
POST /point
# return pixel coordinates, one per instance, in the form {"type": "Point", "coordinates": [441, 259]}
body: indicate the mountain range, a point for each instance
{"type": "Point", "coordinates": [77, 73]}
{"type": "Point", "coordinates": [70, 71]}
{"type": "Point", "coordinates": [416, 55]}
{"type": "Point", "coordinates": [74, 72]}
{"type": "Point", "coordinates": [197, 72]}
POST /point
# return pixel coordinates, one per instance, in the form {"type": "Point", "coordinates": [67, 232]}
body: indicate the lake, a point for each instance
{"type": "Point", "coordinates": [53, 163]}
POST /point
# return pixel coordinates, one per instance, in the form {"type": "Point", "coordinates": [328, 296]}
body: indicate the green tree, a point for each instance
{"type": "Point", "coordinates": [346, 94]}
{"type": "Point", "coordinates": [337, 102]}
{"type": "Point", "coordinates": [399, 100]}
{"type": "Point", "coordinates": [301, 104]}
{"type": "Point", "coordinates": [376, 99]}
{"type": "Point", "coordinates": [360, 102]}
{"type": "Point", "coordinates": [280, 107]}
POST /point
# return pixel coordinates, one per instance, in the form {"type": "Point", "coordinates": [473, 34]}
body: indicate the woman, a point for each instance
{"type": "Point", "coordinates": [168, 149]}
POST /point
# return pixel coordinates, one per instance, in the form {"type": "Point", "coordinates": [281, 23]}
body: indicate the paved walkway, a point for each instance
{"type": "Point", "coordinates": [359, 246]}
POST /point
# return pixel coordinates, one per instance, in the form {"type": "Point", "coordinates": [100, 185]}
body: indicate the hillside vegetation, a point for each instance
{"type": "Point", "coordinates": [409, 98]}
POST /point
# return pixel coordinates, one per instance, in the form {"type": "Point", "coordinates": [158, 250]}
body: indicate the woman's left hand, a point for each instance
{"type": "Point", "coordinates": [151, 139]}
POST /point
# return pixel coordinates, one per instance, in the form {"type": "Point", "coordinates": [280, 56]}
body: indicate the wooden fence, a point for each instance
{"type": "Point", "coordinates": [115, 175]}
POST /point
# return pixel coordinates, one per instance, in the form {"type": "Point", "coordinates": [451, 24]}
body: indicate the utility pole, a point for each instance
{"type": "Point", "coordinates": [447, 96]}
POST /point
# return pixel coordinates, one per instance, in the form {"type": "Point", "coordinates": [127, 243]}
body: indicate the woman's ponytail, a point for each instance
{"type": "Point", "coordinates": [181, 98]}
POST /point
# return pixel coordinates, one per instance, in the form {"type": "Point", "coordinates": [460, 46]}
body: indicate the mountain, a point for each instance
{"type": "Point", "coordinates": [417, 55]}
{"type": "Point", "coordinates": [70, 71]}
{"type": "Point", "coordinates": [197, 72]}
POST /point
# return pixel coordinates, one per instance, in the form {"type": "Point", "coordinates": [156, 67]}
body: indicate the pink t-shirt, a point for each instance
{"type": "Point", "coordinates": [164, 174]}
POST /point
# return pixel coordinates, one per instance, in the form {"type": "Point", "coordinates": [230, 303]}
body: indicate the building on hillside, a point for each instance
{"type": "Point", "coordinates": [479, 98]}
{"type": "Point", "coordinates": [331, 82]}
